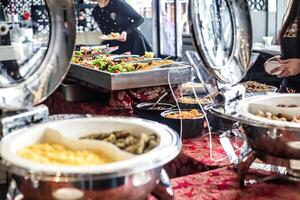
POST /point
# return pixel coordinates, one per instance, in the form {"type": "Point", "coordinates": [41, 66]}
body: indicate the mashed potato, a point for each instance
{"type": "Point", "coordinates": [59, 155]}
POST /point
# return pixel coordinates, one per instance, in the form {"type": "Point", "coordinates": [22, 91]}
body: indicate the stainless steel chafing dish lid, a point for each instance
{"type": "Point", "coordinates": [222, 35]}
{"type": "Point", "coordinates": [35, 57]}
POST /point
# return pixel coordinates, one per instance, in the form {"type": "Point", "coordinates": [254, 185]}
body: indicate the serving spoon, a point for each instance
{"type": "Point", "coordinates": [159, 100]}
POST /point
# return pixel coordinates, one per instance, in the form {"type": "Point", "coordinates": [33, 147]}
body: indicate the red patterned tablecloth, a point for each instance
{"type": "Point", "coordinates": [58, 105]}
{"type": "Point", "coordinates": [115, 103]}
{"type": "Point", "coordinates": [195, 156]}
{"type": "Point", "coordinates": [223, 184]}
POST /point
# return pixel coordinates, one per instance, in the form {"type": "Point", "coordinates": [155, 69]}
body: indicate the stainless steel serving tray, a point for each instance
{"type": "Point", "coordinates": [130, 80]}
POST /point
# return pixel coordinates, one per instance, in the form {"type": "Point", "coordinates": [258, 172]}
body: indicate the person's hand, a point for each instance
{"type": "Point", "coordinates": [289, 67]}
{"type": "Point", "coordinates": [123, 37]}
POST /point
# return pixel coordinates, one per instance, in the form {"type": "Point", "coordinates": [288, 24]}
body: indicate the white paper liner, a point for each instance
{"type": "Point", "coordinates": [110, 150]}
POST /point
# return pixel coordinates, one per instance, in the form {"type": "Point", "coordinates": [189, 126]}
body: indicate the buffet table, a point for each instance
{"type": "Point", "coordinates": [58, 105]}
{"type": "Point", "coordinates": [195, 154]}
{"type": "Point", "coordinates": [219, 180]}
{"type": "Point", "coordinates": [223, 184]}
{"type": "Point", "coordinates": [193, 174]}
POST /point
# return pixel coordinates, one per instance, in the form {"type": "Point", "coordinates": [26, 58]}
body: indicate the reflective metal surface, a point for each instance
{"type": "Point", "coordinates": [33, 61]}
{"type": "Point", "coordinates": [132, 179]}
{"type": "Point", "coordinates": [16, 120]}
{"type": "Point", "coordinates": [22, 47]}
{"type": "Point", "coordinates": [286, 169]}
{"type": "Point", "coordinates": [129, 80]}
{"type": "Point", "coordinates": [283, 138]}
{"type": "Point", "coordinates": [223, 37]}
{"type": "Point", "coordinates": [133, 187]}
{"type": "Point", "coordinates": [154, 181]}
{"type": "Point", "coordinates": [279, 141]}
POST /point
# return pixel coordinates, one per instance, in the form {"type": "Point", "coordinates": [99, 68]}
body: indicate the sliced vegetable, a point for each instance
{"type": "Point", "coordinates": [101, 64]}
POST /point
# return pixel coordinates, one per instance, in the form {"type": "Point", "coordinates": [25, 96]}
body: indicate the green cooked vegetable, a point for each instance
{"type": "Point", "coordinates": [78, 53]}
{"type": "Point", "coordinates": [74, 59]}
{"type": "Point", "coordinates": [130, 68]}
{"type": "Point", "coordinates": [101, 64]}
{"type": "Point", "coordinates": [113, 68]}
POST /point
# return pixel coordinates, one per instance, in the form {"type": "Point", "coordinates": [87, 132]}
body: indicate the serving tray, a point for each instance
{"type": "Point", "coordinates": [180, 73]}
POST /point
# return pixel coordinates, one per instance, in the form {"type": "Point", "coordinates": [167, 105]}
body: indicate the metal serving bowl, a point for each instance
{"type": "Point", "coordinates": [191, 128]}
{"type": "Point", "coordinates": [133, 178]}
{"type": "Point", "coordinates": [275, 138]}
{"type": "Point", "coordinates": [144, 110]}
{"type": "Point", "coordinates": [267, 137]}
{"type": "Point", "coordinates": [277, 142]}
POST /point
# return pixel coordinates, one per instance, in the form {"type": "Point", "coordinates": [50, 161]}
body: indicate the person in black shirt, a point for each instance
{"type": "Point", "coordinates": [117, 16]}
{"type": "Point", "coordinates": [290, 56]}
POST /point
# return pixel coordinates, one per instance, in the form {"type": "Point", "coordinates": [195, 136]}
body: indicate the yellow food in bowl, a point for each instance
{"type": "Point", "coordinates": [185, 115]}
{"type": "Point", "coordinates": [189, 100]}
{"type": "Point", "coordinates": [59, 155]}
{"type": "Point", "coordinates": [149, 54]}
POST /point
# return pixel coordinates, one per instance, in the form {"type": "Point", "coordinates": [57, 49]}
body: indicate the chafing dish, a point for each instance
{"type": "Point", "coordinates": [224, 46]}
{"type": "Point", "coordinates": [25, 82]}
{"type": "Point", "coordinates": [274, 142]}
{"type": "Point", "coordinates": [133, 178]}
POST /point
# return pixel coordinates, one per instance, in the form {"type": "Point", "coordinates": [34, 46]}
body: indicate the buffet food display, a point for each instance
{"type": "Point", "coordinates": [46, 153]}
{"type": "Point", "coordinates": [119, 72]}
{"type": "Point", "coordinates": [97, 60]}
{"type": "Point", "coordinates": [188, 123]}
{"type": "Point", "coordinates": [279, 108]}
{"type": "Point", "coordinates": [127, 141]}
{"type": "Point", "coordinates": [61, 154]}
{"type": "Point", "coordinates": [252, 86]}
{"type": "Point", "coordinates": [193, 101]}
{"type": "Point", "coordinates": [191, 114]}
{"type": "Point", "coordinates": [279, 117]}
{"type": "Point", "coordinates": [118, 158]}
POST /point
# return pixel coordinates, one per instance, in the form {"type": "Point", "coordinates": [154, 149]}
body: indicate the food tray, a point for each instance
{"type": "Point", "coordinates": [130, 80]}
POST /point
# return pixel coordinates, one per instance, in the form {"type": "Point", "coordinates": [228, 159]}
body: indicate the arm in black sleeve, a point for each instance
{"type": "Point", "coordinates": [127, 11]}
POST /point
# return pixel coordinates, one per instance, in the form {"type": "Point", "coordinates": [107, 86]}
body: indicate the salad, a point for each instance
{"type": "Point", "coordinates": [96, 60]}
{"type": "Point", "coordinates": [105, 63]}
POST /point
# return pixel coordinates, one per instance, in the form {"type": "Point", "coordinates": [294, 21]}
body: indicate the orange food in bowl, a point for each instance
{"type": "Point", "coordinates": [192, 114]}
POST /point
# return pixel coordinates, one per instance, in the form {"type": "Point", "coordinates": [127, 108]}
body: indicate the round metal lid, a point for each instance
{"type": "Point", "coordinates": [36, 46]}
{"type": "Point", "coordinates": [222, 34]}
